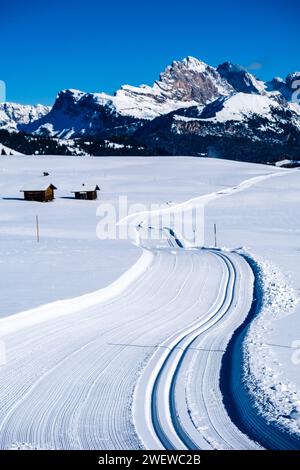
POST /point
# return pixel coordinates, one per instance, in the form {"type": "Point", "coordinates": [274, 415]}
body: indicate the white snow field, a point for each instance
{"type": "Point", "coordinates": [110, 345]}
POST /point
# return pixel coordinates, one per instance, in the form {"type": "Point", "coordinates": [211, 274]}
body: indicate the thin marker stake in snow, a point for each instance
{"type": "Point", "coordinates": [194, 231]}
{"type": "Point", "coordinates": [37, 229]}
{"type": "Point", "coordinates": [215, 234]}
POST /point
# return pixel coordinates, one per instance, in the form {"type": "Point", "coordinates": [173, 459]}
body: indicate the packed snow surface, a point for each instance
{"type": "Point", "coordinates": [97, 333]}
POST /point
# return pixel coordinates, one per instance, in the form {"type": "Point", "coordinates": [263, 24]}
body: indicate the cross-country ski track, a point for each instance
{"type": "Point", "coordinates": [136, 364]}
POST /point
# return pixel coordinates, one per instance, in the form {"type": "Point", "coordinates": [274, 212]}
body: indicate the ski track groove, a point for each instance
{"type": "Point", "coordinates": [168, 431]}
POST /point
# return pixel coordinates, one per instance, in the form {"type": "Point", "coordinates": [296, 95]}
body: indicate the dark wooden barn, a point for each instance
{"type": "Point", "coordinates": [87, 192]}
{"type": "Point", "coordinates": [40, 191]}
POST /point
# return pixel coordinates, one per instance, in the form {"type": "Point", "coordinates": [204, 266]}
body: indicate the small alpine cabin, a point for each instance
{"type": "Point", "coordinates": [86, 191]}
{"type": "Point", "coordinates": [39, 190]}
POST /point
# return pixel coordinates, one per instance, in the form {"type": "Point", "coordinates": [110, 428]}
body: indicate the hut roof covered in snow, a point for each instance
{"type": "Point", "coordinates": [89, 187]}
{"type": "Point", "coordinates": [40, 184]}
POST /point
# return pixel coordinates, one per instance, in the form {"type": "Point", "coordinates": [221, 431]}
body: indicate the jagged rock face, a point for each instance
{"type": "Point", "coordinates": [184, 83]}
{"type": "Point", "coordinates": [191, 80]}
{"type": "Point", "coordinates": [239, 78]}
{"type": "Point", "coordinates": [12, 114]}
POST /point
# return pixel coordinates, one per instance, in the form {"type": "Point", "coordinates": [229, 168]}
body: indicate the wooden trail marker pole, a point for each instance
{"type": "Point", "coordinates": [37, 229]}
{"type": "Point", "coordinates": [194, 227]}
{"type": "Point", "coordinates": [215, 234]}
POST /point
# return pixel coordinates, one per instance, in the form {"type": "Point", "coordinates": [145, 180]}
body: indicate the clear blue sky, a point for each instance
{"type": "Point", "coordinates": [94, 45]}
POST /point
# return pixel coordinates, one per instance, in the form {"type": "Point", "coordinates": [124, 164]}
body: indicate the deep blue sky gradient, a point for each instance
{"type": "Point", "coordinates": [94, 45]}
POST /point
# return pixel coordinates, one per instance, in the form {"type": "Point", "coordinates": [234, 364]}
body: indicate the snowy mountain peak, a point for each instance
{"type": "Point", "coordinates": [231, 67]}
{"type": "Point", "coordinates": [277, 84]}
{"type": "Point", "coordinates": [291, 78]}
{"type": "Point", "coordinates": [187, 82]}
{"type": "Point", "coordinates": [191, 80]}
{"type": "Point", "coordinates": [191, 63]}
{"type": "Point", "coordinates": [77, 94]}
{"type": "Point", "coordinates": [286, 87]}
{"type": "Point", "coordinates": [240, 79]}
{"type": "Point", "coordinates": [279, 80]}
{"type": "Point", "coordinates": [68, 95]}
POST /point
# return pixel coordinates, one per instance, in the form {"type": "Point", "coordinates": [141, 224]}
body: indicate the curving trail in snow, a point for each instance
{"type": "Point", "coordinates": [135, 218]}
{"type": "Point", "coordinates": [73, 365]}
{"type": "Point", "coordinates": [69, 381]}
{"type": "Point", "coordinates": [178, 403]}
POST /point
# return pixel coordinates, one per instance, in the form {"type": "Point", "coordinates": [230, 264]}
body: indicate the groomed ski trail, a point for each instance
{"type": "Point", "coordinates": [72, 366]}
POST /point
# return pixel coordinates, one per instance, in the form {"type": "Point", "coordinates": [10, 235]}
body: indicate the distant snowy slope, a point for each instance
{"type": "Point", "coordinates": [12, 114]}
{"type": "Point", "coordinates": [246, 126]}
{"type": "Point", "coordinates": [8, 151]}
{"type": "Point", "coordinates": [241, 106]}
{"type": "Point", "coordinates": [76, 114]}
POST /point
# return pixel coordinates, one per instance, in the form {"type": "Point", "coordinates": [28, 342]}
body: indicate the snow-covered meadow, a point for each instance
{"type": "Point", "coordinates": [70, 260]}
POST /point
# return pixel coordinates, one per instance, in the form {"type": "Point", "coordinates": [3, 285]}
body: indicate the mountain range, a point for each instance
{"type": "Point", "coordinates": [192, 109]}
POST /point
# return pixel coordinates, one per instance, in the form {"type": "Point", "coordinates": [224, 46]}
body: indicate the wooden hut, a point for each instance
{"type": "Point", "coordinates": [86, 191]}
{"type": "Point", "coordinates": [40, 190]}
